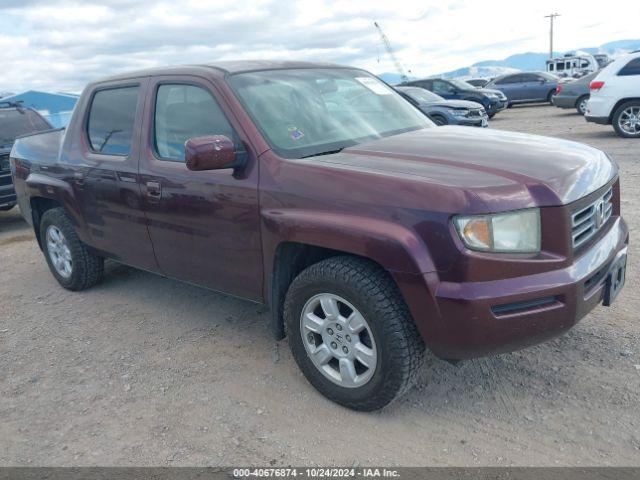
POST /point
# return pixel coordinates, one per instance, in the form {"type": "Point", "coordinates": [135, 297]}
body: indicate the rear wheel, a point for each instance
{"type": "Point", "coordinates": [351, 333]}
{"type": "Point", "coordinates": [550, 96]}
{"type": "Point", "coordinates": [581, 104]}
{"type": "Point", "coordinates": [73, 266]}
{"type": "Point", "coordinates": [626, 119]}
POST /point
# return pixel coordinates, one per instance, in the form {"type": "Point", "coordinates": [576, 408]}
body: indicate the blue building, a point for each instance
{"type": "Point", "coordinates": [55, 107]}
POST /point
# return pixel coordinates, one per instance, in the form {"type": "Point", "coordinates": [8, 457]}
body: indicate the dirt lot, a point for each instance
{"type": "Point", "coordinates": [143, 370]}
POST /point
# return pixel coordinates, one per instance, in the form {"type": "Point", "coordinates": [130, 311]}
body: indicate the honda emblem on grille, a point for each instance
{"type": "Point", "coordinates": [600, 213]}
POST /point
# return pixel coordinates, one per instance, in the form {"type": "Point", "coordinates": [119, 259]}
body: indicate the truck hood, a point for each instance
{"type": "Point", "coordinates": [505, 170]}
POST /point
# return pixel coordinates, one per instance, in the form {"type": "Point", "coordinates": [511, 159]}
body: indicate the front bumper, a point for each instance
{"type": "Point", "coordinates": [7, 192]}
{"type": "Point", "coordinates": [598, 120]}
{"type": "Point", "coordinates": [474, 122]}
{"type": "Point", "coordinates": [496, 107]}
{"type": "Point", "coordinates": [482, 318]}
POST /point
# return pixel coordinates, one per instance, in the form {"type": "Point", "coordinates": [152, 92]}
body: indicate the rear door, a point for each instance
{"type": "Point", "coordinates": [507, 86]}
{"type": "Point", "coordinates": [105, 177]}
{"type": "Point", "coordinates": [204, 225]}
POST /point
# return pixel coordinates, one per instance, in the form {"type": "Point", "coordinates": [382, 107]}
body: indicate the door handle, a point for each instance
{"type": "Point", "coordinates": [154, 190]}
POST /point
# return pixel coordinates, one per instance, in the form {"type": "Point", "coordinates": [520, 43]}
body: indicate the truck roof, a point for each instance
{"type": "Point", "coordinates": [224, 67]}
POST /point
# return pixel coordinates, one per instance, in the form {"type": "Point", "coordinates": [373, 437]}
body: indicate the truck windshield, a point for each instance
{"type": "Point", "coordinates": [315, 111]}
{"type": "Point", "coordinates": [14, 123]}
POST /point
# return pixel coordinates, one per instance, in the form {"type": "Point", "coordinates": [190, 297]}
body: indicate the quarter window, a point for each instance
{"type": "Point", "coordinates": [111, 118]}
{"type": "Point", "coordinates": [184, 112]}
{"type": "Point", "coordinates": [631, 68]}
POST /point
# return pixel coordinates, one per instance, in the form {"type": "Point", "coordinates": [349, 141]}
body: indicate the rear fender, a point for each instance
{"type": "Point", "coordinates": [41, 186]}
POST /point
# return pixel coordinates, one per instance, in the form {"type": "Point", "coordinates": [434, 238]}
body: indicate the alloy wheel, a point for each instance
{"type": "Point", "coordinates": [629, 120]}
{"type": "Point", "coordinates": [59, 251]}
{"type": "Point", "coordinates": [338, 340]}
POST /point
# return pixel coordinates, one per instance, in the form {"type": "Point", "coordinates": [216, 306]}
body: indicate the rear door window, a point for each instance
{"type": "Point", "coordinates": [631, 68]}
{"type": "Point", "coordinates": [111, 118]}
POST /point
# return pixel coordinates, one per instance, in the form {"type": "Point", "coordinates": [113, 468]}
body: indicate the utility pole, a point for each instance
{"type": "Point", "coordinates": [551, 17]}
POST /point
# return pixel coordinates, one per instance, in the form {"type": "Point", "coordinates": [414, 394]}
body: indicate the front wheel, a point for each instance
{"type": "Point", "coordinates": [351, 333]}
{"type": "Point", "coordinates": [439, 121]}
{"type": "Point", "coordinates": [626, 119]}
{"type": "Point", "coordinates": [73, 266]}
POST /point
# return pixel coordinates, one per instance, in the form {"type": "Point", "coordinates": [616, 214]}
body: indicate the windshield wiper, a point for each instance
{"type": "Point", "coordinates": [328, 152]}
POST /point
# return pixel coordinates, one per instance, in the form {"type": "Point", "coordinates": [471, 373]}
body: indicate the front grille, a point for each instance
{"type": "Point", "coordinates": [586, 221]}
{"type": "Point", "coordinates": [4, 162]}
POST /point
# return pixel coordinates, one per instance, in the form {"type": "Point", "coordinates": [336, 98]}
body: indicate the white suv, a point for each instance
{"type": "Point", "coordinates": [615, 96]}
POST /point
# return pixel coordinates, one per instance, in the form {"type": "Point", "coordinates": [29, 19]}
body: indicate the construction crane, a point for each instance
{"type": "Point", "coordinates": [387, 44]}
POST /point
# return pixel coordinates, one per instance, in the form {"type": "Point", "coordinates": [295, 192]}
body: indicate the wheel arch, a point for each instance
{"type": "Point", "coordinates": [295, 241]}
{"type": "Point", "coordinates": [618, 104]}
{"type": "Point", "coordinates": [39, 205]}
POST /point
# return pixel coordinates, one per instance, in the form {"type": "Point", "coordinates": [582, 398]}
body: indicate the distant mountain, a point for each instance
{"type": "Point", "coordinates": [537, 61]}
{"type": "Point", "coordinates": [524, 61]}
{"type": "Point", "coordinates": [392, 78]}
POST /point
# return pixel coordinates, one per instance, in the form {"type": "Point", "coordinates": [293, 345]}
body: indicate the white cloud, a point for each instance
{"type": "Point", "coordinates": [60, 44]}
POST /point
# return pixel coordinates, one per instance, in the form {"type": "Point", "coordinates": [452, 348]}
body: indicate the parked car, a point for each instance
{"type": "Point", "coordinates": [445, 112]}
{"type": "Point", "coordinates": [493, 101]}
{"type": "Point", "coordinates": [526, 87]}
{"type": "Point", "coordinates": [615, 96]}
{"type": "Point", "coordinates": [574, 94]}
{"type": "Point", "coordinates": [320, 191]}
{"type": "Point", "coordinates": [15, 120]}
{"type": "Point", "coordinates": [478, 82]}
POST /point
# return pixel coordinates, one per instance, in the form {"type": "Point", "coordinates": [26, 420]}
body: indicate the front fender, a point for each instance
{"type": "Point", "coordinates": [396, 248]}
{"type": "Point", "coordinates": [391, 245]}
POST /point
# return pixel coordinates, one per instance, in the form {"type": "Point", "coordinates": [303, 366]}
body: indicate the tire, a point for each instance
{"type": "Point", "coordinates": [619, 116]}
{"type": "Point", "coordinates": [550, 96]}
{"type": "Point", "coordinates": [491, 115]}
{"type": "Point", "coordinates": [359, 286]}
{"type": "Point", "coordinates": [581, 104]}
{"type": "Point", "coordinates": [439, 120]}
{"type": "Point", "coordinates": [73, 266]}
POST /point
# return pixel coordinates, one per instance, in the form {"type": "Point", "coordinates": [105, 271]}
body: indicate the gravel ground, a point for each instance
{"type": "Point", "coordinates": [142, 370]}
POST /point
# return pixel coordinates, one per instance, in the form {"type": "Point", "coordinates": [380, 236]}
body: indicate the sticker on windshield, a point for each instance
{"type": "Point", "coordinates": [374, 85]}
{"type": "Point", "coordinates": [295, 133]}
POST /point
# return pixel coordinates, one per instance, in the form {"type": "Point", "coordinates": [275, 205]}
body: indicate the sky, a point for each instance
{"type": "Point", "coordinates": [60, 45]}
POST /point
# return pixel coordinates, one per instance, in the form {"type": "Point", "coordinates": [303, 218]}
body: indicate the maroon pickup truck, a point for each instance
{"type": "Point", "coordinates": [319, 191]}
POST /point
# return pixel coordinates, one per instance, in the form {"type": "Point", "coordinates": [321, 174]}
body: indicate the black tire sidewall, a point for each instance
{"type": "Point", "coordinates": [382, 379]}
{"type": "Point", "coordinates": [440, 121]}
{"type": "Point", "coordinates": [58, 219]}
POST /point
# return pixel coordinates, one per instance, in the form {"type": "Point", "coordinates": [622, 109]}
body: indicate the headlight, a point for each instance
{"type": "Point", "coordinates": [459, 112]}
{"type": "Point", "coordinates": [516, 232]}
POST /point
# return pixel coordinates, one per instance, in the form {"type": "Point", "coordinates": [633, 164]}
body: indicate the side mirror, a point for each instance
{"type": "Point", "coordinates": [210, 152]}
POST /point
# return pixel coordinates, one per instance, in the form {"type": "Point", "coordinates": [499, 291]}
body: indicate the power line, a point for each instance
{"type": "Point", "coordinates": [551, 17]}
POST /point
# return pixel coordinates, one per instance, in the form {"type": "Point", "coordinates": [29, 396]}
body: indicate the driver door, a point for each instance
{"type": "Point", "coordinates": [204, 225]}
